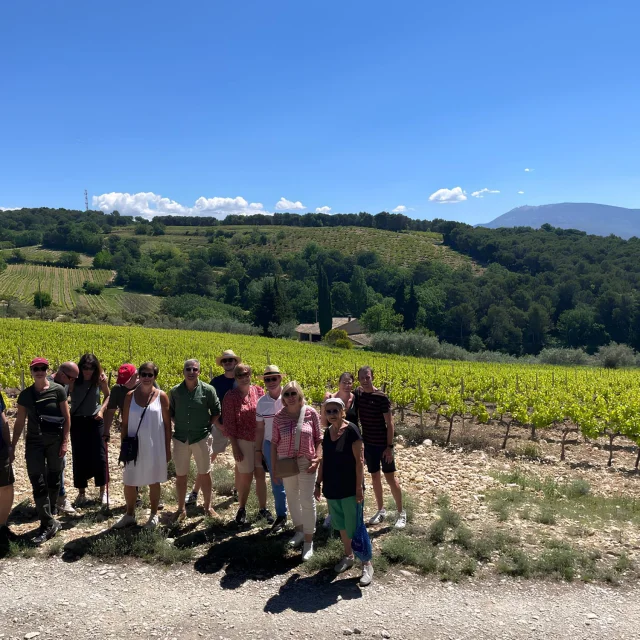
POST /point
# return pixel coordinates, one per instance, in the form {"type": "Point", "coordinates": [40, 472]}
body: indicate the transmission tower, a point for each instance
{"type": "Point", "coordinates": [86, 201]}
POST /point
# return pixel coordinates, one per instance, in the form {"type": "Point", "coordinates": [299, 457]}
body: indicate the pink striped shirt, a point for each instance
{"type": "Point", "coordinates": [284, 434]}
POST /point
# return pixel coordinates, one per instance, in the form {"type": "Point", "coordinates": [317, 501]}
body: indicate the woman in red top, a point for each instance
{"type": "Point", "coordinates": [239, 411]}
{"type": "Point", "coordinates": [300, 487]}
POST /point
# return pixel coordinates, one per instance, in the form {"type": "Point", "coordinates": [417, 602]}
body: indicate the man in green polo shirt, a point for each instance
{"type": "Point", "coordinates": [194, 409]}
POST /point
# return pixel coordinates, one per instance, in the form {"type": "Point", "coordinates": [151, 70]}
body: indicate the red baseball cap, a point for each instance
{"type": "Point", "coordinates": [125, 373]}
{"type": "Point", "coordinates": [37, 361]}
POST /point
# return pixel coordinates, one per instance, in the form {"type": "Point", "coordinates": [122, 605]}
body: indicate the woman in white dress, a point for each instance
{"type": "Point", "coordinates": [146, 414]}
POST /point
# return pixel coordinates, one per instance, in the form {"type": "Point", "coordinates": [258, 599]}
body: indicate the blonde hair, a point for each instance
{"type": "Point", "coordinates": [296, 387]}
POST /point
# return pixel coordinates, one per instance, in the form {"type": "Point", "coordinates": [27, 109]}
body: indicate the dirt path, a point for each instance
{"type": "Point", "coordinates": [56, 599]}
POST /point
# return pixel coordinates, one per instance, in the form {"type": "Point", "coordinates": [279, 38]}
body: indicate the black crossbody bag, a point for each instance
{"type": "Point", "coordinates": [45, 425]}
{"type": "Point", "coordinates": [129, 444]}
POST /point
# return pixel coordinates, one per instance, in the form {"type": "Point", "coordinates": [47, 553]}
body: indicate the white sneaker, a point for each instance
{"type": "Point", "coordinates": [64, 506]}
{"type": "Point", "coordinates": [307, 551]}
{"type": "Point", "coordinates": [344, 564]}
{"type": "Point", "coordinates": [125, 521]}
{"type": "Point", "coordinates": [379, 517]}
{"type": "Point", "coordinates": [401, 522]}
{"type": "Point", "coordinates": [367, 574]}
{"type": "Point", "coordinates": [327, 522]}
{"type": "Point", "coordinates": [153, 522]}
{"type": "Point", "coordinates": [104, 499]}
{"type": "Point", "coordinates": [297, 540]}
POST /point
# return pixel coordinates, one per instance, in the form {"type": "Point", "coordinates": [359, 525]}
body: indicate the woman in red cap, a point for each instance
{"type": "Point", "coordinates": [44, 406]}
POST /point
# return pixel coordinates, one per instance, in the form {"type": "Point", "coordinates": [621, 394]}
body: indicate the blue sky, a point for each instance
{"type": "Point", "coordinates": [217, 107]}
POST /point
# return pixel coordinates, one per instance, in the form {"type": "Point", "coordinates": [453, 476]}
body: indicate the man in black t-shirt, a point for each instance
{"type": "Point", "coordinates": [6, 479]}
{"type": "Point", "coordinates": [376, 423]}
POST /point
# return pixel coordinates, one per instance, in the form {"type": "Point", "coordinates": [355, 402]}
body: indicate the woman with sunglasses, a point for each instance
{"type": "Point", "coordinates": [299, 488]}
{"type": "Point", "coordinates": [146, 415]}
{"type": "Point", "coordinates": [44, 403]}
{"type": "Point", "coordinates": [341, 480]}
{"type": "Point", "coordinates": [239, 411]}
{"type": "Point", "coordinates": [88, 444]}
{"type": "Point", "coordinates": [345, 393]}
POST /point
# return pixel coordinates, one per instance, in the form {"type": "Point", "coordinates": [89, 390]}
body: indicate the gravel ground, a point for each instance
{"type": "Point", "coordinates": [55, 599]}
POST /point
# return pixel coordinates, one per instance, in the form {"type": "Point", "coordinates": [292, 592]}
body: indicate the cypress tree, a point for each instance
{"type": "Point", "coordinates": [359, 295]}
{"type": "Point", "coordinates": [411, 308]}
{"type": "Point", "coordinates": [324, 302]}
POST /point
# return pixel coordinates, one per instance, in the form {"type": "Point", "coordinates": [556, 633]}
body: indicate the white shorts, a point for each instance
{"type": "Point", "coordinates": [201, 451]}
{"type": "Point", "coordinates": [248, 463]}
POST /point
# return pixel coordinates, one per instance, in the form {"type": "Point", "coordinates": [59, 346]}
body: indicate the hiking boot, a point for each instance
{"type": "Point", "coordinates": [367, 574]}
{"type": "Point", "coordinates": [125, 521]}
{"type": "Point", "coordinates": [46, 532]}
{"type": "Point", "coordinates": [192, 498]}
{"type": "Point", "coordinates": [401, 522]}
{"type": "Point", "coordinates": [267, 515]}
{"type": "Point", "coordinates": [297, 540]}
{"type": "Point", "coordinates": [279, 524]}
{"type": "Point", "coordinates": [64, 506]}
{"type": "Point", "coordinates": [241, 516]}
{"type": "Point", "coordinates": [344, 564]}
{"type": "Point", "coordinates": [379, 517]}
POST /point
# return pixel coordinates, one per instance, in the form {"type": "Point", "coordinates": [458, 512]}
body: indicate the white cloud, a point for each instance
{"type": "Point", "coordinates": [399, 209]}
{"type": "Point", "coordinates": [324, 209]}
{"type": "Point", "coordinates": [286, 205]}
{"type": "Point", "coordinates": [521, 192]}
{"type": "Point", "coordinates": [446, 196]}
{"type": "Point", "coordinates": [528, 170]}
{"type": "Point", "coordinates": [480, 194]}
{"type": "Point", "coordinates": [150, 204]}
{"type": "Point", "coordinates": [10, 208]}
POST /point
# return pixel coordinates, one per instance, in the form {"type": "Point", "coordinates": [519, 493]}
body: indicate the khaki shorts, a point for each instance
{"type": "Point", "coordinates": [248, 463]}
{"type": "Point", "coordinates": [219, 441]}
{"type": "Point", "coordinates": [201, 454]}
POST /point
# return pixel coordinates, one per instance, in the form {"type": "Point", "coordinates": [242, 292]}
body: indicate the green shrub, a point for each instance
{"type": "Point", "coordinates": [616, 356]}
{"type": "Point", "coordinates": [344, 344]}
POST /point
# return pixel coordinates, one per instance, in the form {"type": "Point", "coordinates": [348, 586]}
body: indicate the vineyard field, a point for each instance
{"type": "Point", "coordinates": [404, 248]}
{"type": "Point", "coordinates": [596, 402]}
{"type": "Point", "coordinates": [21, 281]}
{"type": "Point", "coordinates": [35, 254]}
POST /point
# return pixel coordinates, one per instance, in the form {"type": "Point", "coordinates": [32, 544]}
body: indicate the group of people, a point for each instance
{"type": "Point", "coordinates": [272, 429]}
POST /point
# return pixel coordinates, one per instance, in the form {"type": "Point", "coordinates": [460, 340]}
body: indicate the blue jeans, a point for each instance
{"type": "Point", "coordinates": [279, 497]}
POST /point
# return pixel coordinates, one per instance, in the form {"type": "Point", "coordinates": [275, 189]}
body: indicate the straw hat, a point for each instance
{"type": "Point", "coordinates": [272, 369]}
{"type": "Point", "coordinates": [228, 354]}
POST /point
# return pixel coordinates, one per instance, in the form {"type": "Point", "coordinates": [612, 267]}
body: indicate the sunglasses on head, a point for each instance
{"type": "Point", "coordinates": [39, 367]}
{"type": "Point", "coordinates": [272, 379]}
{"type": "Point", "coordinates": [146, 374]}
{"type": "Point", "coordinates": [289, 394]}
{"type": "Point", "coordinates": [332, 412]}
{"type": "Point", "coordinates": [227, 360]}
{"type": "Point", "coordinates": [190, 369]}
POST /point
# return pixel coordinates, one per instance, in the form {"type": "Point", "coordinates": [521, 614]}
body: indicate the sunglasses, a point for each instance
{"type": "Point", "coordinates": [190, 369]}
{"type": "Point", "coordinates": [242, 375]}
{"type": "Point", "coordinates": [289, 394]}
{"type": "Point", "coordinates": [227, 360]}
{"type": "Point", "coordinates": [272, 379]}
{"type": "Point", "coordinates": [88, 367]}
{"type": "Point", "coordinates": [146, 374]}
{"type": "Point", "coordinates": [332, 412]}
{"type": "Point", "coordinates": [39, 368]}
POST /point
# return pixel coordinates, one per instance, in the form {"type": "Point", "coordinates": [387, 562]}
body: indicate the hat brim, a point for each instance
{"type": "Point", "coordinates": [271, 373]}
{"type": "Point", "coordinates": [219, 359]}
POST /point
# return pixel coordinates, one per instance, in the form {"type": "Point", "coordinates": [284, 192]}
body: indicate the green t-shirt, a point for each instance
{"type": "Point", "coordinates": [48, 406]}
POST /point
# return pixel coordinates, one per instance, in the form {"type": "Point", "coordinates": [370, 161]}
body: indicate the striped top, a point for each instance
{"type": "Point", "coordinates": [266, 412]}
{"type": "Point", "coordinates": [371, 410]}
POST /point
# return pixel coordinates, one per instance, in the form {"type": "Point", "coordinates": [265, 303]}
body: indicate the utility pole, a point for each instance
{"type": "Point", "coordinates": [86, 200]}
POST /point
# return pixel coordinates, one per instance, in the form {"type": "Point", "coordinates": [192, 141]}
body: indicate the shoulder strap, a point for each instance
{"type": "Point", "coordinates": [143, 411]}
{"type": "Point", "coordinates": [303, 412]}
{"type": "Point", "coordinates": [86, 395]}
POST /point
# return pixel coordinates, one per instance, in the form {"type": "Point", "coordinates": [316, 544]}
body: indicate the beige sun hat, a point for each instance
{"type": "Point", "coordinates": [228, 354]}
{"type": "Point", "coordinates": [272, 368]}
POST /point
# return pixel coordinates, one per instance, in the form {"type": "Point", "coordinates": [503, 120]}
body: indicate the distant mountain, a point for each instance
{"type": "Point", "coordinates": [596, 219]}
